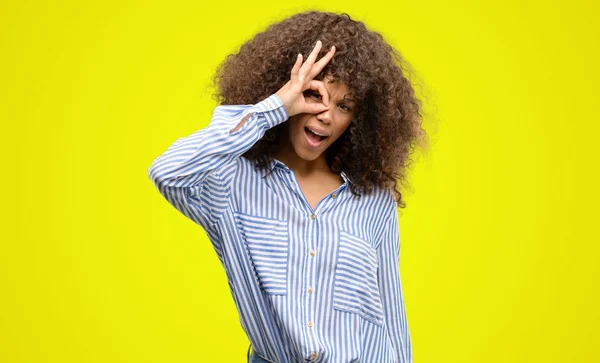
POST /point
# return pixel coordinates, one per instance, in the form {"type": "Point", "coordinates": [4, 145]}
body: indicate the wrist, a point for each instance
{"type": "Point", "coordinates": [285, 98]}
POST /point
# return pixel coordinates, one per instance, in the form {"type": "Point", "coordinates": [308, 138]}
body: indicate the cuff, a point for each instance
{"type": "Point", "coordinates": [273, 110]}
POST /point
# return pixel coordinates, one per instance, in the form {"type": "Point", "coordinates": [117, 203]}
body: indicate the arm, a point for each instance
{"type": "Point", "coordinates": [390, 286]}
{"type": "Point", "coordinates": [194, 174]}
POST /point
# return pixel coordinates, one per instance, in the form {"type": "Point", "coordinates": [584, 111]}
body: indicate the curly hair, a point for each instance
{"type": "Point", "coordinates": [375, 149]}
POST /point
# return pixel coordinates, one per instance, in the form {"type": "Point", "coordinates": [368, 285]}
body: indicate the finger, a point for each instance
{"type": "Point", "coordinates": [297, 65]}
{"type": "Point", "coordinates": [318, 67]}
{"type": "Point", "coordinates": [314, 108]}
{"type": "Point", "coordinates": [311, 58]}
{"type": "Point", "coordinates": [320, 87]}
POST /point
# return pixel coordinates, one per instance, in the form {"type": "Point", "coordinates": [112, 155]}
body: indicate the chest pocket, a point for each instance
{"type": "Point", "coordinates": [356, 287]}
{"type": "Point", "coordinates": [267, 243]}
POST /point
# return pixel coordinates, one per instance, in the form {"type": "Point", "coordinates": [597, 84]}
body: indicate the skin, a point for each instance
{"type": "Point", "coordinates": [313, 103]}
{"type": "Point", "coordinates": [325, 105]}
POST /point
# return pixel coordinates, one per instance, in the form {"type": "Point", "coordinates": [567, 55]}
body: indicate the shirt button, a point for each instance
{"type": "Point", "coordinates": [333, 195]}
{"type": "Point", "coordinates": [269, 103]}
{"type": "Point", "coordinates": [310, 324]}
{"type": "Point", "coordinates": [313, 355]}
{"type": "Point", "coordinates": [310, 290]}
{"type": "Point", "coordinates": [312, 252]}
{"type": "Point", "coordinates": [312, 216]}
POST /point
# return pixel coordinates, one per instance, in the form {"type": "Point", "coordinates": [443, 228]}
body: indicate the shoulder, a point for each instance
{"type": "Point", "coordinates": [395, 195]}
{"type": "Point", "coordinates": [390, 195]}
{"type": "Point", "coordinates": [384, 203]}
{"type": "Point", "coordinates": [386, 195]}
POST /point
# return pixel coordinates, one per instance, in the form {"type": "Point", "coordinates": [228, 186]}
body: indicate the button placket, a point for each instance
{"type": "Point", "coordinates": [312, 238]}
{"type": "Point", "coordinates": [311, 254]}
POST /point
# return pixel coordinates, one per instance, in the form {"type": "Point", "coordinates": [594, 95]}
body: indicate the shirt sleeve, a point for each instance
{"type": "Point", "coordinates": [391, 289]}
{"type": "Point", "coordinates": [195, 173]}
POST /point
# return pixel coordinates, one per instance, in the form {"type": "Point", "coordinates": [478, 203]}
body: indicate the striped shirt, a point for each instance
{"type": "Point", "coordinates": [310, 285]}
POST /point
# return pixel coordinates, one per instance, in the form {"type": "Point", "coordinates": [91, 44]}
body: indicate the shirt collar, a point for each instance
{"type": "Point", "coordinates": [275, 163]}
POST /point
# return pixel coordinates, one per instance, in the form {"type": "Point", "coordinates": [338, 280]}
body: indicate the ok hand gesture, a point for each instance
{"type": "Point", "coordinates": [291, 94]}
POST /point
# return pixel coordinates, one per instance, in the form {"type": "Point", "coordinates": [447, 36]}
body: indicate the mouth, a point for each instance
{"type": "Point", "coordinates": [313, 139]}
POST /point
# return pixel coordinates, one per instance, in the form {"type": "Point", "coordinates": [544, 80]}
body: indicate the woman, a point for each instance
{"type": "Point", "coordinates": [294, 182]}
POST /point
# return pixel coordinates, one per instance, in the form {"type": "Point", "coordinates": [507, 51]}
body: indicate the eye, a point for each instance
{"type": "Point", "coordinates": [347, 108]}
{"type": "Point", "coordinates": [314, 94]}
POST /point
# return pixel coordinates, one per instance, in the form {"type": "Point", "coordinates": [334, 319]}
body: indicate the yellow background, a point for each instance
{"type": "Point", "coordinates": [499, 240]}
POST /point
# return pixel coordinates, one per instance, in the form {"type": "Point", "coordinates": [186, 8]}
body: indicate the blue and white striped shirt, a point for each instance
{"type": "Point", "coordinates": [310, 285]}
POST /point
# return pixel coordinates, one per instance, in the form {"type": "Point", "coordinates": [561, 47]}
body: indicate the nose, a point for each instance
{"type": "Point", "coordinates": [325, 116]}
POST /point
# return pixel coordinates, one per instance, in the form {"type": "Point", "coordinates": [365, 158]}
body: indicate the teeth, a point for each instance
{"type": "Point", "coordinates": [316, 133]}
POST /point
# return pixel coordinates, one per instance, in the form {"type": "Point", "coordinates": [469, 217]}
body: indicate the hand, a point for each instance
{"type": "Point", "coordinates": [291, 94]}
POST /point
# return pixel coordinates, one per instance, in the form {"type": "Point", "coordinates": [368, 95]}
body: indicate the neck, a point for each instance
{"type": "Point", "coordinates": [302, 167]}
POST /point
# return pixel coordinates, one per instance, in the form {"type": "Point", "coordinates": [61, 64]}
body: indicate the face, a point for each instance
{"type": "Point", "coordinates": [332, 122]}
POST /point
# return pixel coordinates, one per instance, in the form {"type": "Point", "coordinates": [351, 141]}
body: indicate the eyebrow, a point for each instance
{"type": "Point", "coordinates": [346, 97]}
